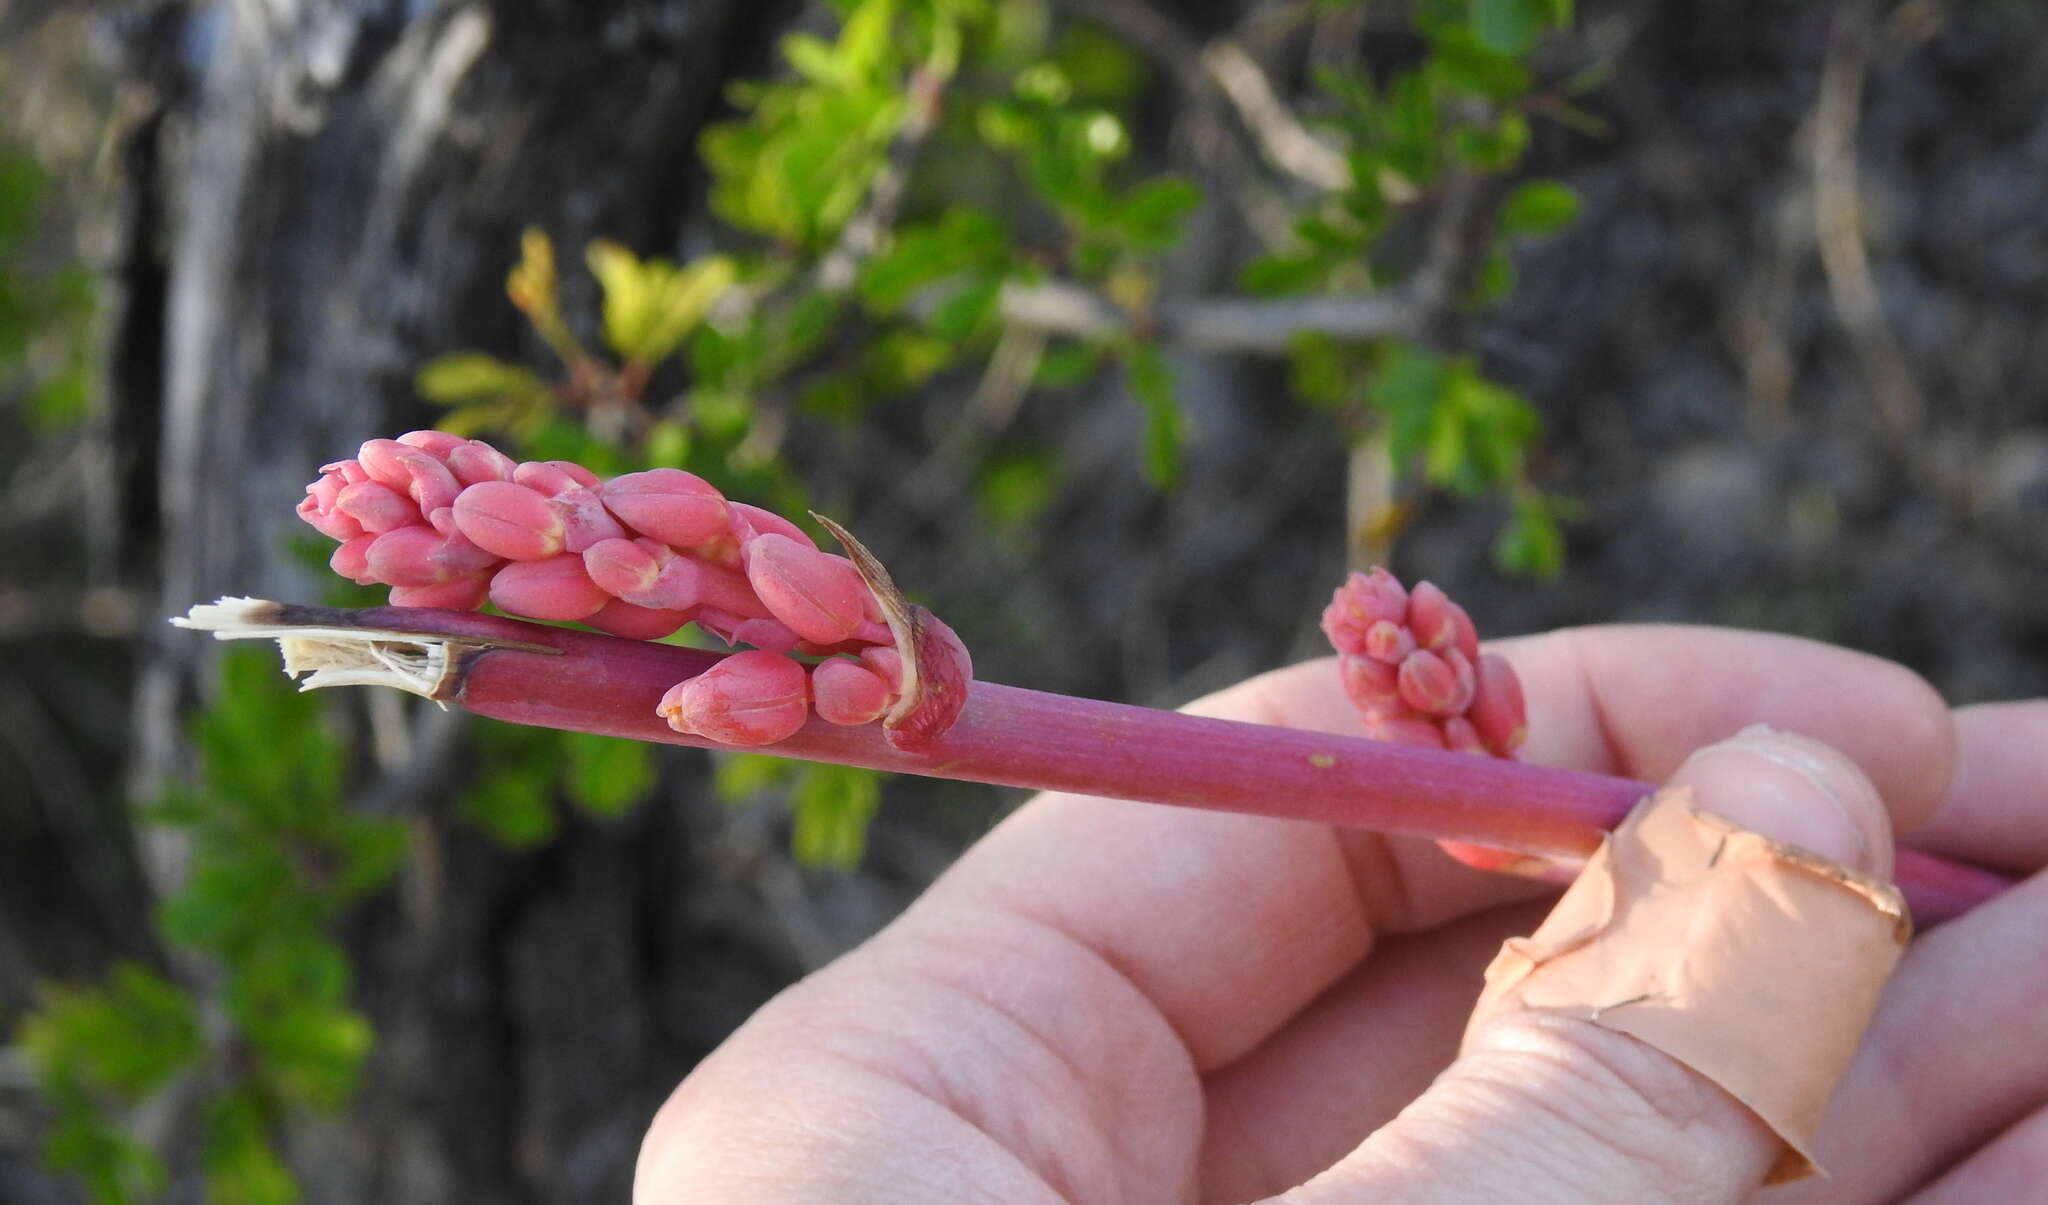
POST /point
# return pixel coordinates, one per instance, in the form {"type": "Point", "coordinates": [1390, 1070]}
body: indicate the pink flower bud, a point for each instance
{"type": "Point", "coordinates": [766, 634]}
{"type": "Point", "coordinates": [510, 520]}
{"type": "Point", "coordinates": [585, 521]}
{"type": "Point", "coordinates": [455, 594]}
{"type": "Point", "coordinates": [378, 507]}
{"type": "Point", "coordinates": [750, 521]}
{"type": "Point", "coordinates": [349, 471]}
{"type": "Point", "coordinates": [679, 509]}
{"type": "Point", "coordinates": [1405, 730]}
{"type": "Point", "coordinates": [820, 597]}
{"type": "Point", "coordinates": [748, 699]}
{"type": "Point", "coordinates": [380, 459]}
{"type": "Point", "coordinates": [1388, 641]}
{"type": "Point", "coordinates": [552, 477]}
{"type": "Point", "coordinates": [556, 588]}
{"type": "Point", "coordinates": [1428, 684]}
{"type": "Point", "coordinates": [317, 508]}
{"type": "Point", "coordinates": [420, 556]}
{"type": "Point", "coordinates": [438, 444]}
{"type": "Point", "coordinates": [847, 692]}
{"type": "Point", "coordinates": [352, 560]}
{"type": "Point", "coordinates": [1464, 676]}
{"type": "Point", "coordinates": [1439, 623]}
{"type": "Point", "coordinates": [887, 664]}
{"type": "Point", "coordinates": [476, 461]}
{"type": "Point", "coordinates": [636, 623]}
{"type": "Point", "coordinates": [1461, 737]}
{"type": "Point", "coordinates": [1362, 601]}
{"type": "Point", "coordinates": [1498, 712]}
{"type": "Point", "coordinates": [1371, 683]}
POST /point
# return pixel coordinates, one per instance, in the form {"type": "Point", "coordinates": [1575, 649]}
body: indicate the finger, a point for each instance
{"type": "Point", "coordinates": [1957, 1052]}
{"type": "Point", "coordinates": [1541, 1107]}
{"type": "Point", "coordinates": [2011, 1167]}
{"type": "Point", "coordinates": [1996, 810]}
{"type": "Point", "coordinates": [1281, 1114]}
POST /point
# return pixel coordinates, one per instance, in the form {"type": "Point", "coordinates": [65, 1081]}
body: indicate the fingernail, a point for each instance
{"type": "Point", "coordinates": [1793, 789]}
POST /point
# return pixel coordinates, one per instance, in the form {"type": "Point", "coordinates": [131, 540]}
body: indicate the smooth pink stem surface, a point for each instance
{"type": "Point", "coordinates": [584, 682]}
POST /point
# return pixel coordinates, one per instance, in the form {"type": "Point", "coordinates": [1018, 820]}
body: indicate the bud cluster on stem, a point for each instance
{"type": "Point", "coordinates": [453, 523]}
{"type": "Point", "coordinates": [843, 669]}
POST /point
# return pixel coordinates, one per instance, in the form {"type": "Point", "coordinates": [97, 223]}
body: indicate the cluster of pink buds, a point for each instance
{"type": "Point", "coordinates": [452, 522]}
{"type": "Point", "coordinates": [1411, 662]}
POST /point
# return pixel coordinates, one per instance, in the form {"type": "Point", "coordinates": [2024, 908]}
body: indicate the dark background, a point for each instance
{"type": "Point", "coordinates": [292, 205]}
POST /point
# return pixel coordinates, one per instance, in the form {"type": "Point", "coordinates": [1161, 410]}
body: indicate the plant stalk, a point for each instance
{"type": "Point", "coordinates": [553, 677]}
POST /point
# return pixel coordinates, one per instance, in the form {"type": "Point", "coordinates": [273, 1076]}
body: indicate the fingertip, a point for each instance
{"type": "Point", "coordinates": [1794, 789]}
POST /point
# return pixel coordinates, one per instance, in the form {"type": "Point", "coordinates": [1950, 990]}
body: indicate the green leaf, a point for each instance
{"type": "Point", "coordinates": [1065, 365]}
{"type": "Point", "coordinates": [963, 240]}
{"type": "Point", "coordinates": [515, 805]}
{"type": "Point", "coordinates": [1016, 487]}
{"type": "Point", "coordinates": [738, 777]}
{"type": "Point", "coordinates": [1406, 388]}
{"type": "Point", "coordinates": [830, 807]}
{"type": "Point", "coordinates": [606, 775]}
{"type": "Point", "coordinates": [1538, 207]}
{"type": "Point", "coordinates": [650, 306]}
{"type": "Point", "coordinates": [967, 312]}
{"type": "Point", "coordinates": [237, 1160]}
{"type": "Point", "coordinates": [1165, 427]}
{"type": "Point", "coordinates": [1509, 26]}
{"type": "Point", "coordinates": [466, 377]}
{"type": "Point", "coordinates": [1532, 543]}
{"type": "Point", "coordinates": [125, 1037]}
{"type": "Point", "coordinates": [1152, 213]}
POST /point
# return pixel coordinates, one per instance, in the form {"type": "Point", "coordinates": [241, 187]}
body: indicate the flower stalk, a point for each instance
{"type": "Point", "coordinates": [551, 677]}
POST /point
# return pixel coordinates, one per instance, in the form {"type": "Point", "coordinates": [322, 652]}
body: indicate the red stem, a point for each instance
{"type": "Point", "coordinates": [551, 677]}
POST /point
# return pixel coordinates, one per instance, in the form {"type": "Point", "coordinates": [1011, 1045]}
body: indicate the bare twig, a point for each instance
{"type": "Point", "coordinates": [1218, 324]}
{"type": "Point", "coordinates": [1838, 218]}
{"type": "Point", "coordinates": [863, 232]}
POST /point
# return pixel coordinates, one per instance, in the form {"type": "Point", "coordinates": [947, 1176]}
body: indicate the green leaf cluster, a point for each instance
{"type": "Point", "coordinates": [276, 857]}
{"type": "Point", "coordinates": [830, 806]}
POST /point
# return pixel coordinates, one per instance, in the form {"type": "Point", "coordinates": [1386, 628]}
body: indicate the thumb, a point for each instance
{"type": "Point", "coordinates": [1542, 1106]}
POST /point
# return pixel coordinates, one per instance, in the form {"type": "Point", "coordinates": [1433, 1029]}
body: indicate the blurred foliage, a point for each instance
{"type": "Point", "coordinates": [276, 858]}
{"type": "Point", "coordinates": [884, 195]}
{"type": "Point", "coordinates": [46, 313]}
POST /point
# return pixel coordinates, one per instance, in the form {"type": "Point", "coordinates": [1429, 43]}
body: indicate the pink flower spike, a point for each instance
{"type": "Point", "coordinates": [1362, 601]}
{"type": "Point", "coordinates": [456, 594]}
{"type": "Point", "coordinates": [1371, 683]}
{"type": "Point", "coordinates": [636, 623]}
{"type": "Point", "coordinates": [764, 634]}
{"type": "Point", "coordinates": [378, 507]}
{"type": "Point", "coordinates": [679, 509]}
{"type": "Point", "coordinates": [1498, 712]}
{"type": "Point", "coordinates": [1428, 684]}
{"type": "Point", "coordinates": [556, 588]}
{"type": "Point", "coordinates": [420, 556]}
{"type": "Point", "coordinates": [1388, 641]}
{"type": "Point", "coordinates": [822, 598]}
{"type": "Point", "coordinates": [509, 520]}
{"type": "Point", "coordinates": [847, 692]}
{"type": "Point", "coordinates": [352, 560]}
{"type": "Point", "coordinates": [748, 699]}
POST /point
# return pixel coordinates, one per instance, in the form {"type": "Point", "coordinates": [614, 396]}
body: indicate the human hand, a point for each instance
{"type": "Point", "coordinates": [1107, 1001]}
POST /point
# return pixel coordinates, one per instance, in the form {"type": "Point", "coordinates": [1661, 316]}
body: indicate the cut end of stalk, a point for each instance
{"type": "Point", "coordinates": [322, 655]}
